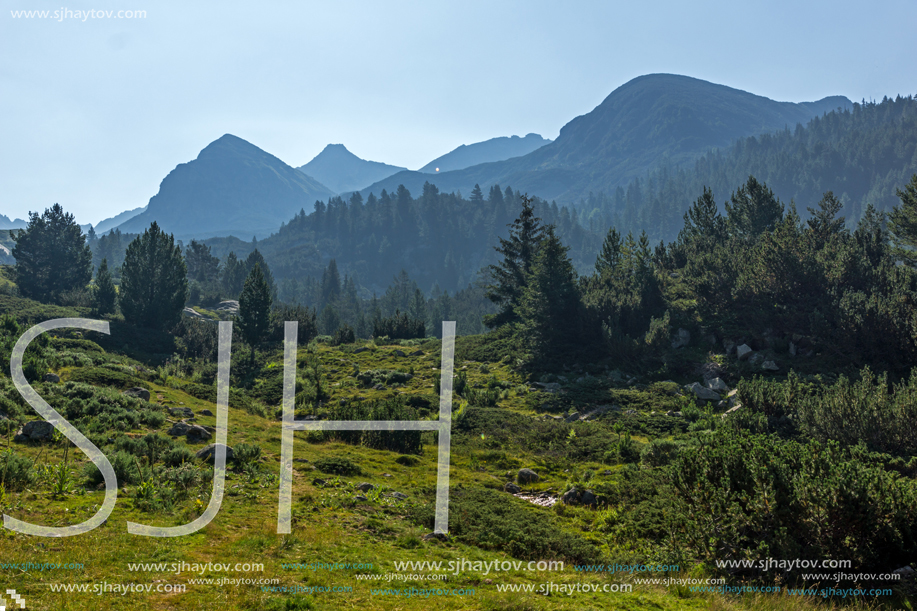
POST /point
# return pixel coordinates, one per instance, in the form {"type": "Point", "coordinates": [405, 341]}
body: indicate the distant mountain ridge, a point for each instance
{"type": "Point", "coordinates": [108, 224]}
{"type": "Point", "coordinates": [232, 188]}
{"type": "Point", "coordinates": [6, 223]}
{"type": "Point", "coordinates": [343, 172]}
{"type": "Point", "coordinates": [495, 149]}
{"type": "Point", "coordinates": [641, 122]}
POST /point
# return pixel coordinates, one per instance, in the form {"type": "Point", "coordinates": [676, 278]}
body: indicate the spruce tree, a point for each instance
{"type": "Point", "coordinates": [255, 308]}
{"type": "Point", "coordinates": [104, 295]}
{"type": "Point", "coordinates": [753, 210]}
{"type": "Point", "coordinates": [154, 283]}
{"type": "Point", "coordinates": [549, 303]}
{"type": "Point", "coordinates": [610, 257]}
{"type": "Point", "coordinates": [902, 223]}
{"type": "Point", "coordinates": [509, 277]}
{"type": "Point", "coordinates": [52, 256]}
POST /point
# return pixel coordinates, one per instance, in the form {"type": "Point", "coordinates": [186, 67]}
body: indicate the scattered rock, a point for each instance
{"type": "Point", "coordinates": [630, 412]}
{"type": "Point", "coordinates": [572, 417]}
{"type": "Point", "coordinates": [682, 339]}
{"type": "Point", "coordinates": [197, 434]}
{"type": "Point", "coordinates": [512, 488]}
{"type": "Point", "coordinates": [360, 349]}
{"type": "Point", "coordinates": [398, 353]}
{"type": "Point", "coordinates": [208, 452]}
{"type": "Point", "coordinates": [770, 366]}
{"type": "Point", "coordinates": [438, 536]}
{"type": "Point", "coordinates": [179, 429]}
{"type": "Point", "coordinates": [756, 358]}
{"type": "Point", "coordinates": [552, 387]}
{"type": "Point", "coordinates": [386, 475]}
{"type": "Point", "coordinates": [416, 353]}
{"type": "Point", "coordinates": [743, 351]}
{"type": "Point", "coordinates": [35, 430]}
{"type": "Point", "coordinates": [379, 387]}
{"type": "Point", "coordinates": [52, 377]}
{"type": "Point", "coordinates": [702, 393]}
{"type": "Point", "coordinates": [398, 495]}
{"type": "Point", "coordinates": [601, 409]}
{"type": "Point", "coordinates": [710, 338]}
{"type": "Point", "coordinates": [906, 571]}
{"type": "Point", "coordinates": [526, 476]}
{"type": "Point", "coordinates": [729, 346]}
{"type": "Point", "coordinates": [360, 497]}
{"type": "Point", "coordinates": [229, 307]}
{"type": "Point", "coordinates": [717, 385]}
{"type": "Point", "coordinates": [588, 498]}
{"type": "Point", "coordinates": [181, 412]}
{"type": "Point", "coordinates": [318, 482]}
{"type": "Point", "coordinates": [206, 412]}
{"type": "Point", "coordinates": [606, 472]}
{"type": "Point", "coordinates": [793, 349]}
{"type": "Point", "coordinates": [192, 313]}
{"type": "Point", "coordinates": [140, 393]}
{"type": "Point", "coordinates": [732, 410]}
{"type": "Point", "coordinates": [365, 487]}
{"type": "Point", "coordinates": [571, 497]}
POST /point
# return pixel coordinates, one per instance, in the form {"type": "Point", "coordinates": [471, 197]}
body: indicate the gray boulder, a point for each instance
{"type": "Point", "coordinates": [36, 430]}
{"type": "Point", "coordinates": [526, 476]}
{"type": "Point", "coordinates": [729, 346]}
{"type": "Point", "coordinates": [208, 453]}
{"type": "Point", "coordinates": [359, 498]}
{"type": "Point", "coordinates": [770, 366]}
{"type": "Point", "coordinates": [743, 352]}
{"type": "Point", "coordinates": [197, 433]}
{"type": "Point", "coordinates": [682, 338]}
{"type": "Point", "coordinates": [705, 394]}
{"type": "Point", "coordinates": [512, 488]}
{"type": "Point", "coordinates": [206, 412]}
{"type": "Point", "coordinates": [756, 358]}
{"type": "Point", "coordinates": [398, 353]}
{"type": "Point", "coordinates": [571, 497]}
{"type": "Point", "coordinates": [365, 487]}
{"type": "Point", "coordinates": [179, 429]}
{"type": "Point", "coordinates": [181, 412]}
{"type": "Point", "coordinates": [139, 393]}
{"type": "Point", "coordinates": [717, 385]}
{"type": "Point", "coordinates": [588, 498]}
{"type": "Point", "coordinates": [572, 417]}
{"type": "Point", "coordinates": [398, 495]}
{"type": "Point", "coordinates": [52, 377]}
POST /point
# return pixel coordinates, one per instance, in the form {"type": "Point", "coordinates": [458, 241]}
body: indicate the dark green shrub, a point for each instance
{"type": "Point", "coordinates": [494, 520]}
{"type": "Point", "coordinates": [343, 335]}
{"type": "Point", "coordinates": [99, 376]}
{"type": "Point", "coordinates": [407, 461]}
{"type": "Point", "coordinates": [337, 465]}
{"type": "Point", "coordinates": [246, 455]}
{"type": "Point", "coordinates": [125, 466]}
{"type": "Point", "coordinates": [15, 471]}
{"type": "Point", "coordinates": [659, 453]}
{"type": "Point", "coordinates": [177, 455]}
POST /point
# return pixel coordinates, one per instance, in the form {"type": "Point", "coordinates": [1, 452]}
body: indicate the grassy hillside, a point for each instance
{"type": "Point", "coordinates": [503, 423]}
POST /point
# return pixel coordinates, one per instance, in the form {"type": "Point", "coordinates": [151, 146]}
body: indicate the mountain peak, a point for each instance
{"type": "Point", "coordinates": [343, 172]}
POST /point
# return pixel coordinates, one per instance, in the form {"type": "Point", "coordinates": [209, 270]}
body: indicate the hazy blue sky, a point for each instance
{"type": "Point", "coordinates": [94, 113]}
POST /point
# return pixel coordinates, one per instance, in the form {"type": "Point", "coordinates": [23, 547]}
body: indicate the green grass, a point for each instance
{"type": "Point", "coordinates": [489, 445]}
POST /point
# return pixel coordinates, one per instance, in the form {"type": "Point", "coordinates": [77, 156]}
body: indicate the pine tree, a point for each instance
{"type": "Point", "coordinates": [902, 223]}
{"type": "Point", "coordinates": [509, 278]}
{"type": "Point", "coordinates": [52, 256]}
{"type": "Point", "coordinates": [154, 283]}
{"type": "Point", "coordinates": [610, 257]}
{"type": "Point", "coordinates": [104, 295]}
{"type": "Point", "coordinates": [824, 221]}
{"type": "Point", "coordinates": [255, 308]}
{"type": "Point", "coordinates": [754, 210]}
{"type": "Point", "coordinates": [549, 304]}
{"type": "Point", "coordinates": [234, 275]}
{"type": "Point", "coordinates": [202, 266]}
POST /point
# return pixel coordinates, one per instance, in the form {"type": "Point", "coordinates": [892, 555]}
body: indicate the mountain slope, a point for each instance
{"type": "Point", "coordinates": [108, 224]}
{"type": "Point", "coordinates": [343, 172]}
{"type": "Point", "coordinates": [495, 149]}
{"type": "Point", "coordinates": [6, 223]}
{"type": "Point", "coordinates": [648, 119]}
{"type": "Point", "coordinates": [233, 187]}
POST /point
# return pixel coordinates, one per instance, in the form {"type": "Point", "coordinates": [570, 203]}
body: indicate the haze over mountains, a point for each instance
{"type": "Point", "coordinates": [495, 149]}
{"type": "Point", "coordinates": [343, 172]}
{"type": "Point", "coordinates": [232, 188]}
{"type": "Point", "coordinates": [640, 123]}
{"type": "Point", "coordinates": [235, 188]}
{"type": "Point", "coordinates": [6, 223]}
